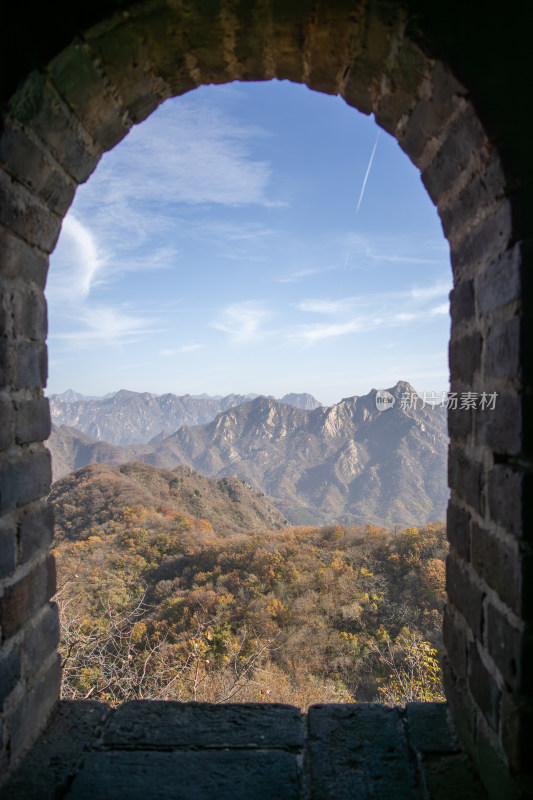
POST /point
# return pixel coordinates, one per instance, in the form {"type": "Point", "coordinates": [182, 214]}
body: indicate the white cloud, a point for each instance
{"type": "Point", "coordinates": [77, 263]}
{"type": "Point", "coordinates": [317, 306]}
{"type": "Point", "coordinates": [241, 321]}
{"type": "Point", "coordinates": [191, 151]}
{"type": "Point", "coordinates": [440, 289]}
{"type": "Point", "coordinates": [186, 348]}
{"type": "Point", "coordinates": [294, 277]}
{"type": "Point", "coordinates": [442, 309]}
{"type": "Point", "coordinates": [375, 312]}
{"type": "Point", "coordinates": [397, 249]}
{"type": "Point", "coordinates": [315, 333]}
{"type": "Point", "coordinates": [105, 326]}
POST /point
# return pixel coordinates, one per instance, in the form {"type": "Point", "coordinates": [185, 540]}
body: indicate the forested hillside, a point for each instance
{"type": "Point", "coordinates": [163, 597]}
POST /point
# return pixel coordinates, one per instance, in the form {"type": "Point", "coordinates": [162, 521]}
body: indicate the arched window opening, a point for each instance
{"type": "Point", "coordinates": [267, 254]}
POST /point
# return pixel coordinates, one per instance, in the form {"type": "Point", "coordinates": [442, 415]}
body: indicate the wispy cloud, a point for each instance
{"type": "Point", "coordinates": [105, 325]}
{"type": "Point", "coordinates": [392, 249]}
{"type": "Point", "coordinates": [319, 306]}
{"type": "Point", "coordinates": [311, 334]}
{"type": "Point", "coordinates": [368, 312]}
{"type": "Point", "coordinates": [78, 263]}
{"type": "Point", "coordinates": [300, 274]}
{"type": "Point", "coordinates": [186, 348]}
{"type": "Point", "coordinates": [439, 289]}
{"type": "Point", "coordinates": [191, 152]}
{"type": "Point", "coordinates": [241, 321]}
{"type": "Point", "coordinates": [442, 309]}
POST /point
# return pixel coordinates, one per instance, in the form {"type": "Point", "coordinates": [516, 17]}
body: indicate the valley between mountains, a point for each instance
{"type": "Point", "coordinates": [348, 463]}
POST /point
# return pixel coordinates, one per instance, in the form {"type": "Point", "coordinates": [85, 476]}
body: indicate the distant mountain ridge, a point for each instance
{"type": "Point", "coordinates": [126, 417]}
{"type": "Point", "coordinates": [348, 462]}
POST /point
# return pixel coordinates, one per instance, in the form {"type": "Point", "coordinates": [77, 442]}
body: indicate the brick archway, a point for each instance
{"type": "Point", "coordinates": [58, 123]}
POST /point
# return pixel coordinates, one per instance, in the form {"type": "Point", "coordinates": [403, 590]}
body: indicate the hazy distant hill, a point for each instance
{"type": "Point", "coordinates": [133, 417]}
{"type": "Point", "coordinates": [347, 462]}
{"type": "Point", "coordinates": [103, 491]}
{"type": "Point", "coordinates": [302, 400]}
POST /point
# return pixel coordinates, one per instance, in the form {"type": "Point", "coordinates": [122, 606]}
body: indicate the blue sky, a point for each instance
{"type": "Point", "coordinates": [220, 248]}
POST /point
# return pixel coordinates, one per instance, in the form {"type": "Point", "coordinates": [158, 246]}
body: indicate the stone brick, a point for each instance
{"type": "Point", "coordinates": [460, 421]}
{"type": "Point", "coordinates": [465, 594]}
{"type": "Point", "coordinates": [20, 260]}
{"type": "Point", "coordinates": [504, 644]}
{"type": "Point", "coordinates": [147, 724]}
{"type": "Point", "coordinates": [29, 313]}
{"type": "Point", "coordinates": [33, 422]}
{"type": "Point", "coordinates": [127, 65]}
{"type": "Point", "coordinates": [464, 137]}
{"type": "Point", "coordinates": [482, 192]}
{"type": "Point", "coordinates": [465, 476]}
{"type": "Point", "coordinates": [26, 215]}
{"type": "Point", "coordinates": [499, 564]}
{"type": "Point", "coordinates": [490, 762]}
{"type": "Point", "coordinates": [10, 672]}
{"type": "Point", "coordinates": [37, 104]}
{"type": "Point", "coordinates": [324, 64]}
{"type": "Point", "coordinates": [24, 477]}
{"type": "Point", "coordinates": [35, 531]}
{"type": "Point", "coordinates": [42, 639]}
{"type": "Point", "coordinates": [458, 528]}
{"type": "Point", "coordinates": [362, 87]}
{"type": "Point", "coordinates": [430, 116]}
{"type": "Point", "coordinates": [505, 497]}
{"type": "Point", "coordinates": [465, 357]}
{"type": "Point", "coordinates": [23, 364]}
{"type": "Point", "coordinates": [74, 729]}
{"type": "Point", "coordinates": [33, 712]}
{"type": "Point", "coordinates": [403, 79]}
{"type": "Point", "coordinates": [485, 242]}
{"type": "Point", "coordinates": [358, 750]}
{"type": "Point", "coordinates": [32, 166]}
{"type": "Point", "coordinates": [455, 642]}
{"type": "Point", "coordinates": [152, 26]}
{"type": "Point", "coordinates": [24, 597]}
{"type": "Point", "coordinates": [429, 729]}
{"type": "Point", "coordinates": [77, 80]}
{"type": "Point", "coordinates": [499, 283]}
{"type": "Point", "coordinates": [8, 546]}
{"type": "Point", "coordinates": [199, 775]}
{"type": "Point", "coordinates": [462, 302]}
{"type": "Point", "coordinates": [452, 777]}
{"type": "Point", "coordinates": [7, 417]}
{"type": "Point", "coordinates": [483, 686]}
{"type": "Point", "coordinates": [501, 357]}
{"type": "Point", "coordinates": [517, 724]}
{"type": "Point", "coordinates": [462, 707]}
{"type": "Point", "coordinates": [500, 428]}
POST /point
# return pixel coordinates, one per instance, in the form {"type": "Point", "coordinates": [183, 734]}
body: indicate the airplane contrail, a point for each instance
{"type": "Point", "coordinates": [367, 172]}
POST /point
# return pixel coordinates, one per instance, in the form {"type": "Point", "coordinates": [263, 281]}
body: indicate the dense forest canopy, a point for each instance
{"type": "Point", "coordinates": [157, 602]}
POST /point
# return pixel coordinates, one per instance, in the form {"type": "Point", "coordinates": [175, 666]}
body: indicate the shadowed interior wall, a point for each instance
{"type": "Point", "coordinates": [78, 93]}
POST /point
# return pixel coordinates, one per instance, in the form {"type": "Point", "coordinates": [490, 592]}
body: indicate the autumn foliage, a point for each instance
{"type": "Point", "coordinates": [158, 603]}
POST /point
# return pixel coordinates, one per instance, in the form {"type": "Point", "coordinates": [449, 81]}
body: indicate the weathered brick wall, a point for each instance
{"type": "Point", "coordinates": [59, 122]}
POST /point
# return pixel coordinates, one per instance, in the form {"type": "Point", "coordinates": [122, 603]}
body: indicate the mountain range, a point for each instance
{"type": "Point", "coordinates": [348, 462]}
{"type": "Point", "coordinates": [126, 417]}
